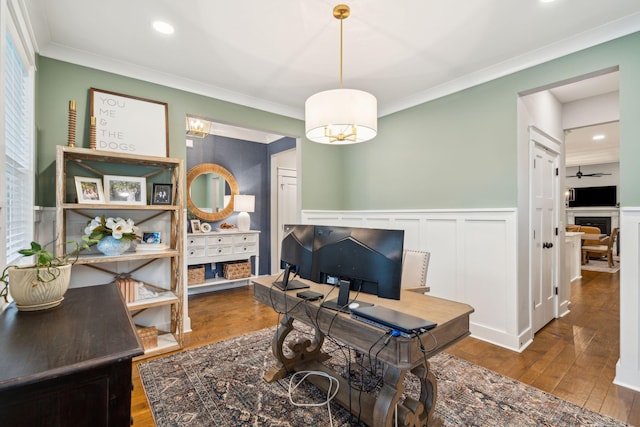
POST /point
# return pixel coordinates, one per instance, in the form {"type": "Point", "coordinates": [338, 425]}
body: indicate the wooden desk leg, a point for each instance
{"type": "Point", "coordinates": [421, 412]}
{"type": "Point", "coordinates": [301, 350]}
{"type": "Point", "coordinates": [385, 404]}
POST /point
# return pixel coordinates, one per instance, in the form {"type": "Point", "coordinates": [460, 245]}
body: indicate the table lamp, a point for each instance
{"type": "Point", "coordinates": [244, 204]}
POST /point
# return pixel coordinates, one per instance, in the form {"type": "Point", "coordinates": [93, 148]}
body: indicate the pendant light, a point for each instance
{"type": "Point", "coordinates": [341, 116]}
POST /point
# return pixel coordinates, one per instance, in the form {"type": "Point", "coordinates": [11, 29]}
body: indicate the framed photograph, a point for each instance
{"type": "Point", "coordinates": [129, 124]}
{"type": "Point", "coordinates": [89, 190]}
{"type": "Point", "coordinates": [125, 190]}
{"type": "Point", "coordinates": [161, 194]}
{"type": "Point", "coordinates": [151, 237]}
{"type": "Point", "coordinates": [195, 226]}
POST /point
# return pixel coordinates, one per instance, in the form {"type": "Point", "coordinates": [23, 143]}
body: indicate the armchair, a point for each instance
{"type": "Point", "coordinates": [604, 248]}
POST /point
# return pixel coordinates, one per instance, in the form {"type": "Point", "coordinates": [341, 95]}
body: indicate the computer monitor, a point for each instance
{"type": "Point", "coordinates": [367, 260]}
{"type": "Point", "coordinates": [296, 256]}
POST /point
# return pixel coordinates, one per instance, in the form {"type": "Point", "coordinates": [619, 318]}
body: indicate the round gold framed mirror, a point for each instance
{"type": "Point", "coordinates": [210, 191]}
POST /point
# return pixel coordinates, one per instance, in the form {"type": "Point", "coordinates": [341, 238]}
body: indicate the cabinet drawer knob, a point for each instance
{"type": "Point", "coordinates": [219, 240]}
{"type": "Point", "coordinates": [244, 238]}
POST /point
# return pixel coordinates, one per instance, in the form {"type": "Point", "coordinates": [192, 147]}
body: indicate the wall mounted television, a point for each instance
{"type": "Point", "coordinates": [594, 196]}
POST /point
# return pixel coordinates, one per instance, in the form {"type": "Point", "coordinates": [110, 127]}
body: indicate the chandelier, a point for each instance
{"type": "Point", "coordinates": [341, 116]}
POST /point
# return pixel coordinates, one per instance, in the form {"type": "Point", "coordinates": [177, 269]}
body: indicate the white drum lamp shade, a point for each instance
{"type": "Point", "coordinates": [244, 204]}
{"type": "Point", "coordinates": [341, 116]}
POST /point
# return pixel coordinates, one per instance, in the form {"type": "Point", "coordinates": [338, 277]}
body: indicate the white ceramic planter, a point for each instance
{"type": "Point", "coordinates": [31, 295]}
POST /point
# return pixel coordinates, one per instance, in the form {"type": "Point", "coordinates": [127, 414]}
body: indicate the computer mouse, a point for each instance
{"type": "Point", "coordinates": [354, 305]}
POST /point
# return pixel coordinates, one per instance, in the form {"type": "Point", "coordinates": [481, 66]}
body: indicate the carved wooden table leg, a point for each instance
{"type": "Point", "coordinates": [392, 388]}
{"type": "Point", "coordinates": [303, 350]}
{"type": "Point", "coordinates": [421, 412]}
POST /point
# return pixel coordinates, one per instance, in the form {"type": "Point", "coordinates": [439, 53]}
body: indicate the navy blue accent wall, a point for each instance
{"type": "Point", "coordinates": [249, 162]}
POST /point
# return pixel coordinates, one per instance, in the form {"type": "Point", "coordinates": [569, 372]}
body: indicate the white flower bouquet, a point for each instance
{"type": "Point", "coordinates": [101, 227]}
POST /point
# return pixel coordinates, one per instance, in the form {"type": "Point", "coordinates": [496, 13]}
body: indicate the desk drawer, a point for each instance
{"type": "Point", "coordinates": [219, 250]}
{"type": "Point", "coordinates": [245, 249]}
{"type": "Point", "coordinates": [245, 238]}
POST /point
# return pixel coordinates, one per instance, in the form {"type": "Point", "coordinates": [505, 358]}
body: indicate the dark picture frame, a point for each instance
{"type": "Point", "coordinates": [162, 194]}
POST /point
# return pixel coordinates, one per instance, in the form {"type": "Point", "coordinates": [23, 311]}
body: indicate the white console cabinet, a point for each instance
{"type": "Point", "coordinates": [222, 246]}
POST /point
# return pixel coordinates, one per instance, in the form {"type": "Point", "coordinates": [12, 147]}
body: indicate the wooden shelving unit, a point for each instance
{"type": "Point", "coordinates": [71, 162]}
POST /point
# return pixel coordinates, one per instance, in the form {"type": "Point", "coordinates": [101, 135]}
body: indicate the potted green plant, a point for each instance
{"type": "Point", "coordinates": [43, 284]}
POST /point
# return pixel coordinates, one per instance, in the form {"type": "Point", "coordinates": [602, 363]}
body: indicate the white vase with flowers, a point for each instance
{"type": "Point", "coordinates": [112, 235]}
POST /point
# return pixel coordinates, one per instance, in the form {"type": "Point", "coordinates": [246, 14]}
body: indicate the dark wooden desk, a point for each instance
{"type": "Point", "coordinates": [70, 365]}
{"type": "Point", "coordinates": [401, 355]}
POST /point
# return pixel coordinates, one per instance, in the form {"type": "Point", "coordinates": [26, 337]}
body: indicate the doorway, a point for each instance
{"type": "Point", "coordinates": [284, 200]}
{"type": "Point", "coordinates": [571, 104]}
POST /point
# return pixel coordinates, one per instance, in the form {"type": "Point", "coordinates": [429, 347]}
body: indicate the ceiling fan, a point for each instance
{"type": "Point", "coordinates": [579, 174]}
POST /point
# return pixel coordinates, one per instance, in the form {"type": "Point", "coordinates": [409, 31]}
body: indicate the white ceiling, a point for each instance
{"type": "Point", "coordinates": [274, 54]}
{"type": "Point", "coordinates": [582, 149]}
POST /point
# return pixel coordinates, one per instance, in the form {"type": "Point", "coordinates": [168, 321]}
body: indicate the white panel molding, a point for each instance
{"type": "Point", "coordinates": [628, 366]}
{"type": "Point", "coordinates": [473, 260]}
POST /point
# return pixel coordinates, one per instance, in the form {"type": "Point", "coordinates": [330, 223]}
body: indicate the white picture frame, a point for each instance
{"type": "Point", "coordinates": [195, 226]}
{"type": "Point", "coordinates": [89, 190]}
{"type": "Point", "coordinates": [129, 124]}
{"type": "Point", "coordinates": [125, 190]}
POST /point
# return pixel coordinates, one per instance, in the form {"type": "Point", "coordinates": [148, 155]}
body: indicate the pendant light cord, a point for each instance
{"type": "Point", "coordinates": [341, 20]}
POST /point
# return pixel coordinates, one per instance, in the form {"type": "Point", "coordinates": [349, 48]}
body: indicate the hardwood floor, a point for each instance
{"type": "Point", "coordinates": [573, 357]}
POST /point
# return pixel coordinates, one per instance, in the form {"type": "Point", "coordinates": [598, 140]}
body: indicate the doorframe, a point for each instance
{"type": "Point", "coordinates": [539, 137]}
{"type": "Point", "coordinates": [273, 223]}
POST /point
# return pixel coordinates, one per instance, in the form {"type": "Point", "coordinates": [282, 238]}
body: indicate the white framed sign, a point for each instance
{"type": "Point", "coordinates": [128, 124]}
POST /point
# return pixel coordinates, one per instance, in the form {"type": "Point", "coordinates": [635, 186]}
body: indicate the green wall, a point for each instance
{"type": "Point", "coordinates": [57, 82]}
{"type": "Point", "coordinates": [458, 151]}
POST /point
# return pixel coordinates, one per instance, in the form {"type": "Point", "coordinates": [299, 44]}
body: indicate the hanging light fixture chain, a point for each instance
{"type": "Point", "coordinates": [341, 12]}
{"type": "Point", "coordinates": [341, 20]}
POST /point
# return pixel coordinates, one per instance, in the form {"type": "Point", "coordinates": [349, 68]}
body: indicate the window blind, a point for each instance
{"type": "Point", "coordinates": [19, 174]}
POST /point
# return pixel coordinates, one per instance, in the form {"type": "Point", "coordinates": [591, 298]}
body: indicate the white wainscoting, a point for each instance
{"type": "Point", "coordinates": [628, 367]}
{"type": "Point", "coordinates": [473, 259]}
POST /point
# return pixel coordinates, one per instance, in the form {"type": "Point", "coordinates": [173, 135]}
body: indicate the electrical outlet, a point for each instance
{"type": "Point", "coordinates": [189, 143]}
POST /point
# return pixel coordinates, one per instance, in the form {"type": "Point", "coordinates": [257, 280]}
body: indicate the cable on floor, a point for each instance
{"type": "Point", "coordinates": [330, 392]}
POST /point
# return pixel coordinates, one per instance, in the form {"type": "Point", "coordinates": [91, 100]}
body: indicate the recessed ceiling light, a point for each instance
{"type": "Point", "coordinates": [547, 1]}
{"type": "Point", "coordinates": [598, 137]}
{"type": "Point", "coordinates": [163, 27]}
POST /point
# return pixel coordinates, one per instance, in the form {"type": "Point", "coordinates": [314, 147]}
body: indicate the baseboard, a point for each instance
{"type": "Point", "coordinates": [500, 338]}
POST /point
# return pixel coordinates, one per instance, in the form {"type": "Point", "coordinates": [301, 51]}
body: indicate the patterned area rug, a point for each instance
{"type": "Point", "coordinates": [221, 385]}
{"type": "Point", "coordinates": [601, 266]}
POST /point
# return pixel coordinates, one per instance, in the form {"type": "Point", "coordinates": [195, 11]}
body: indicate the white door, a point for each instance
{"type": "Point", "coordinates": [544, 240]}
{"type": "Point", "coordinates": [287, 204]}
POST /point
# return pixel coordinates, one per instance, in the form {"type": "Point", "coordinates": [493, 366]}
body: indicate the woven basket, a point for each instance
{"type": "Point", "coordinates": [236, 269]}
{"type": "Point", "coordinates": [195, 275]}
{"type": "Point", "coordinates": [148, 335]}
